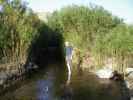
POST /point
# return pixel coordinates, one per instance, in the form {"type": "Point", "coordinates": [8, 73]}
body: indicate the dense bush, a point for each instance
{"type": "Point", "coordinates": [91, 29]}
{"type": "Point", "coordinates": [18, 26]}
{"type": "Point", "coordinates": [20, 29]}
{"type": "Point", "coordinates": [118, 44]}
{"type": "Point", "coordinates": [95, 30]}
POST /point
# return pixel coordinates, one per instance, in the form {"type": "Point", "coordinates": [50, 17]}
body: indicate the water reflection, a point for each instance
{"type": "Point", "coordinates": [86, 86]}
{"type": "Point", "coordinates": [44, 90]}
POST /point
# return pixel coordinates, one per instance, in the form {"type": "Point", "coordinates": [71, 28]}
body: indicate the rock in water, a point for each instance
{"type": "Point", "coordinates": [104, 73]}
{"type": "Point", "coordinates": [3, 78]}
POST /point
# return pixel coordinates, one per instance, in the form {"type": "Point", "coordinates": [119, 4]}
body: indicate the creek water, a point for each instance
{"type": "Point", "coordinates": [50, 84]}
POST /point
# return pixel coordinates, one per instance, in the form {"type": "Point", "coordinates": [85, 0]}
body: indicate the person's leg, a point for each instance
{"type": "Point", "coordinates": [69, 71]}
{"type": "Point", "coordinates": [69, 68]}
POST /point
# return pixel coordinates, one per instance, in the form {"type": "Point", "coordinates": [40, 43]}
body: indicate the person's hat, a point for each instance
{"type": "Point", "coordinates": [66, 43]}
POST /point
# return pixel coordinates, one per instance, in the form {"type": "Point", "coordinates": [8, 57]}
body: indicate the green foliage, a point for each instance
{"type": "Point", "coordinates": [117, 43]}
{"type": "Point", "coordinates": [95, 30]}
{"type": "Point", "coordinates": [23, 36]}
{"type": "Point", "coordinates": [18, 27]}
{"type": "Point", "coordinates": [90, 29]}
{"type": "Point", "coordinates": [81, 25]}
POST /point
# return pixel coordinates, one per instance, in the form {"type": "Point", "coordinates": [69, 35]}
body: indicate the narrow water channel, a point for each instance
{"type": "Point", "coordinates": [50, 84]}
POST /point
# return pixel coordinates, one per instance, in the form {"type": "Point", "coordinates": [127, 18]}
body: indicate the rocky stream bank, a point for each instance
{"type": "Point", "coordinates": [10, 74]}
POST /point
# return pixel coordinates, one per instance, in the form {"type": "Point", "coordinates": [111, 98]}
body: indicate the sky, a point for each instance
{"type": "Point", "coordinates": [120, 8]}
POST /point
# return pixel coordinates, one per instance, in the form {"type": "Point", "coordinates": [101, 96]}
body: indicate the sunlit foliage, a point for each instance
{"type": "Point", "coordinates": [95, 30]}
{"type": "Point", "coordinates": [18, 26]}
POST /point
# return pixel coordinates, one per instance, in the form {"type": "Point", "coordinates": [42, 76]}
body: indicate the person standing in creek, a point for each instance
{"type": "Point", "coordinates": [69, 52]}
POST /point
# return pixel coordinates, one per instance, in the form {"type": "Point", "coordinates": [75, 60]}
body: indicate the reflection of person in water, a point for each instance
{"type": "Point", "coordinates": [66, 93]}
{"type": "Point", "coordinates": [117, 77]}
